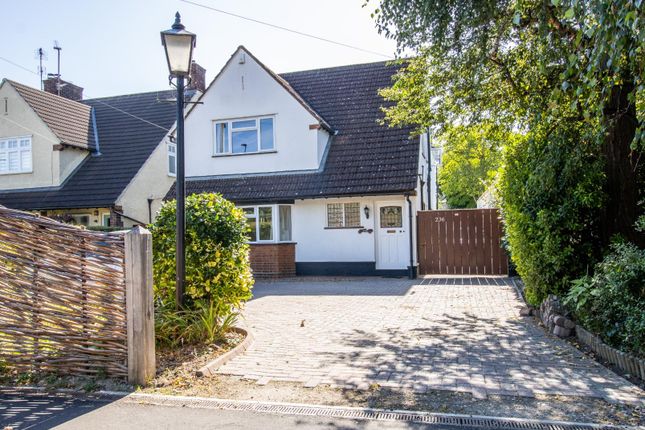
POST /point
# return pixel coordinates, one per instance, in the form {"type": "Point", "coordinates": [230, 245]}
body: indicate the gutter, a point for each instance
{"type": "Point", "coordinates": [411, 272]}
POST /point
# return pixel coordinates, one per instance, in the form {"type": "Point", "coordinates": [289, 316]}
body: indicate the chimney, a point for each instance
{"type": "Point", "coordinates": [198, 78]}
{"type": "Point", "coordinates": [67, 90]}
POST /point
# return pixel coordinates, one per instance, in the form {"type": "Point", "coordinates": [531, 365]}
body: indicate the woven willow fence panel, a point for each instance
{"type": "Point", "coordinates": [62, 297]}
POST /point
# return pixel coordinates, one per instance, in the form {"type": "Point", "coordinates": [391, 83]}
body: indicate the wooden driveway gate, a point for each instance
{"type": "Point", "coordinates": [461, 242]}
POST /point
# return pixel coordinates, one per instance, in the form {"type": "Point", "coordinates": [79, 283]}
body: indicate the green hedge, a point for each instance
{"type": "Point", "coordinates": [551, 193]}
{"type": "Point", "coordinates": [218, 275]}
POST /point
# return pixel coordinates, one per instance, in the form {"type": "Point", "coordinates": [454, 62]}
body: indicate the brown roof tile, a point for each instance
{"type": "Point", "coordinates": [70, 121]}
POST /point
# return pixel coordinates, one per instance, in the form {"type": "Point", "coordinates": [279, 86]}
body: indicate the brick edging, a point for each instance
{"type": "Point", "coordinates": [624, 361]}
{"type": "Point", "coordinates": [210, 368]}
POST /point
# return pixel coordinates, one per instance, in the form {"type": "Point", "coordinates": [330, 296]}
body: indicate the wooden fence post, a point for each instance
{"type": "Point", "coordinates": [140, 306]}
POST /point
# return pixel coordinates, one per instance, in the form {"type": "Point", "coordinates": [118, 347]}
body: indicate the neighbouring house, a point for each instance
{"type": "Point", "coordinates": [434, 166]}
{"type": "Point", "coordinates": [326, 188]}
{"type": "Point", "coordinates": [95, 162]}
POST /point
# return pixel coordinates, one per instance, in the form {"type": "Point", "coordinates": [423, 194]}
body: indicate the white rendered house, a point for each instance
{"type": "Point", "coordinates": [326, 188]}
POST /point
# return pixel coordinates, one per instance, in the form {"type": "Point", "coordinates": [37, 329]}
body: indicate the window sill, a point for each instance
{"type": "Point", "coordinates": [26, 172]}
{"type": "Point", "coordinates": [344, 228]}
{"type": "Point", "coordinates": [272, 243]}
{"type": "Point", "coordinates": [269, 151]}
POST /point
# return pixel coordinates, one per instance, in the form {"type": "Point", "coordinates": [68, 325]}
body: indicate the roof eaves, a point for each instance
{"type": "Point", "coordinates": [26, 93]}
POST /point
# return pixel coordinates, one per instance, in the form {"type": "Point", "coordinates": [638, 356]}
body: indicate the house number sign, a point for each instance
{"type": "Point", "coordinates": [439, 219]}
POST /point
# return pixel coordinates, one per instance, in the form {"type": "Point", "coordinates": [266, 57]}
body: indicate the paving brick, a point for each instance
{"type": "Point", "coordinates": [400, 333]}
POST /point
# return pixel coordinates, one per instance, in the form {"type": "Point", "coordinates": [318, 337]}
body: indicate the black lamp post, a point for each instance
{"type": "Point", "coordinates": [178, 44]}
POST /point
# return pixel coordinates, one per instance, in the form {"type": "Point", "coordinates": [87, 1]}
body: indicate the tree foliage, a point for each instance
{"type": "Point", "coordinates": [566, 74]}
{"type": "Point", "coordinates": [471, 159]}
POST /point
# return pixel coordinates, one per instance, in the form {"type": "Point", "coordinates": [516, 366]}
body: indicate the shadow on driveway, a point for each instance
{"type": "Point", "coordinates": [35, 410]}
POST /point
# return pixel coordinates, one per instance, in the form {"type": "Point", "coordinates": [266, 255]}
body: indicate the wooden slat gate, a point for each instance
{"type": "Point", "coordinates": [461, 242]}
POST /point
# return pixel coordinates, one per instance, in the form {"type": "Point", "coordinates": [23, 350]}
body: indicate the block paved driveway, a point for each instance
{"type": "Point", "coordinates": [458, 334]}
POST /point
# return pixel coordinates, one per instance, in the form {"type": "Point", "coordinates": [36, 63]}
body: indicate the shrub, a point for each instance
{"type": "Point", "coordinates": [612, 302]}
{"type": "Point", "coordinates": [218, 275]}
{"type": "Point", "coordinates": [551, 195]}
{"type": "Point", "coordinates": [189, 326]}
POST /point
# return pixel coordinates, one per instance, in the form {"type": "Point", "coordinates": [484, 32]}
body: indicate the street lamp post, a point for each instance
{"type": "Point", "coordinates": [178, 44]}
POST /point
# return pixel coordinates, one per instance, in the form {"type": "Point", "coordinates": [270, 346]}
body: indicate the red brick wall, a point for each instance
{"type": "Point", "coordinates": [273, 260]}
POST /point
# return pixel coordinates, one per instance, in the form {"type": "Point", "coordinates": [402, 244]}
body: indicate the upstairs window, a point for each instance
{"type": "Point", "coordinates": [172, 159]}
{"type": "Point", "coordinates": [343, 215]}
{"type": "Point", "coordinates": [15, 155]}
{"type": "Point", "coordinates": [244, 136]}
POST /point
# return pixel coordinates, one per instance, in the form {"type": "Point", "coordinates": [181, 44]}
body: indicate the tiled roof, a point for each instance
{"type": "Point", "coordinates": [70, 121]}
{"type": "Point", "coordinates": [125, 144]}
{"type": "Point", "coordinates": [364, 158]}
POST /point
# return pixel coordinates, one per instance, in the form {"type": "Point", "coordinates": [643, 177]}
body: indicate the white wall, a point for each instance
{"type": "Point", "coordinates": [152, 181]}
{"type": "Point", "coordinates": [315, 243]}
{"type": "Point", "coordinates": [243, 90]}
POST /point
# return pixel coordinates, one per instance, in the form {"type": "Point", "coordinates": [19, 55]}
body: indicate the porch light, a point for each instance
{"type": "Point", "coordinates": [366, 209]}
{"type": "Point", "coordinates": [178, 44]}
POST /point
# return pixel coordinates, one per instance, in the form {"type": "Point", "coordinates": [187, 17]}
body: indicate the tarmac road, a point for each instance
{"type": "Point", "coordinates": [35, 411]}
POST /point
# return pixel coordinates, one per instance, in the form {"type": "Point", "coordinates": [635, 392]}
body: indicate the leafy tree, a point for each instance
{"type": "Point", "coordinates": [472, 157]}
{"type": "Point", "coordinates": [569, 76]}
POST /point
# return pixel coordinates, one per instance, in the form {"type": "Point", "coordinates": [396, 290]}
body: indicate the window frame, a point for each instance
{"type": "Point", "coordinates": [105, 215]}
{"type": "Point", "coordinates": [343, 218]}
{"type": "Point", "coordinates": [229, 128]}
{"type": "Point", "coordinates": [173, 155]}
{"type": "Point", "coordinates": [275, 222]}
{"type": "Point", "coordinates": [79, 215]}
{"type": "Point", "coordinates": [19, 151]}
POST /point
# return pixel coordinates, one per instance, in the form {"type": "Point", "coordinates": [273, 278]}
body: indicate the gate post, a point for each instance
{"type": "Point", "coordinates": [140, 306]}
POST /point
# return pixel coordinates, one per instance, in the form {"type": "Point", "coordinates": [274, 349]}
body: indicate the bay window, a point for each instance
{"type": "Point", "coordinates": [268, 223]}
{"type": "Point", "coordinates": [244, 136]}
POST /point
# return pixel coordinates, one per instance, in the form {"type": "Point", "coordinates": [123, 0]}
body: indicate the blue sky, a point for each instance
{"type": "Point", "coordinates": [113, 47]}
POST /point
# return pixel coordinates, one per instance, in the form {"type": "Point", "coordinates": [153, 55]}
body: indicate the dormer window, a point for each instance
{"type": "Point", "coordinates": [244, 136]}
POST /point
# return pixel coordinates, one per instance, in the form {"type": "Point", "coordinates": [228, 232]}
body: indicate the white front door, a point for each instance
{"type": "Point", "coordinates": [392, 238]}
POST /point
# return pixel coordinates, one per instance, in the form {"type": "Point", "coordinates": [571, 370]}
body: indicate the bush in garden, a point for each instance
{"type": "Point", "coordinates": [218, 275]}
{"type": "Point", "coordinates": [611, 303]}
{"type": "Point", "coordinates": [551, 195]}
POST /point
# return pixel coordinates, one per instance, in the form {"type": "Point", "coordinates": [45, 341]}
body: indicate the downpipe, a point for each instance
{"type": "Point", "coordinates": [411, 271]}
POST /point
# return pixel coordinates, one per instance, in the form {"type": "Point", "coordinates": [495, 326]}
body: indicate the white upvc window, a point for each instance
{"type": "Point", "coordinates": [268, 223]}
{"type": "Point", "coordinates": [244, 135]}
{"type": "Point", "coordinates": [105, 219]}
{"type": "Point", "coordinates": [172, 159]}
{"type": "Point", "coordinates": [16, 155]}
{"type": "Point", "coordinates": [343, 215]}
